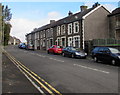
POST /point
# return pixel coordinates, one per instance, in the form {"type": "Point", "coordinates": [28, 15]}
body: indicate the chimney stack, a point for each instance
{"type": "Point", "coordinates": [83, 8]}
{"type": "Point", "coordinates": [52, 21]}
{"type": "Point", "coordinates": [95, 5]}
{"type": "Point", "coordinates": [70, 13]}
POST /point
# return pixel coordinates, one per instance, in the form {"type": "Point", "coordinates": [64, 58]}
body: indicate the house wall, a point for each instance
{"type": "Point", "coordinates": [114, 26]}
{"type": "Point", "coordinates": [96, 25]}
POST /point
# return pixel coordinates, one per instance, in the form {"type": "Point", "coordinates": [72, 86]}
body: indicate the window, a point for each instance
{"type": "Point", "coordinates": [44, 33]}
{"type": "Point", "coordinates": [117, 20]}
{"type": "Point", "coordinates": [51, 32]}
{"type": "Point", "coordinates": [37, 35]}
{"type": "Point", "coordinates": [48, 33]}
{"type": "Point", "coordinates": [69, 29]}
{"type": "Point", "coordinates": [58, 42]}
{"type": "Point", "coordinates": [70, 41]}
{"type": "Point", "coordinates": [113, 50]}
{"type": "Point", "coordinates": [51, 42]}
{"type": "Point", "coordinates": [76, 42]}
{"type": "Point", "coordinates": [101, 49]}
{"type": "Point", "coordinates": [58, 30]}
{"type": "Point", "coordinates": [63, 42]}
{"type": "Point", "coordinates": [63, 29]}
{"type": "Point", "coordinates": [76, 27]}
{"type": "Point", "coordinates": [41, 34]}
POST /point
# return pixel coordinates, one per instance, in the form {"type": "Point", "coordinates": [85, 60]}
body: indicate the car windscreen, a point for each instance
{"type": "Point", "coordinates": [59, 47]}
{"type": "Point", "coordinates": [114, 50]}
{"type": "Point", "coordinates": [73, 48]}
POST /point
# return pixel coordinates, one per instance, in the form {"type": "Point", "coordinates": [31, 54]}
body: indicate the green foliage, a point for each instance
{"type": "Point", "coordinates": [7, 28]}
{"type": "Point", "coordinates": [6, 17]}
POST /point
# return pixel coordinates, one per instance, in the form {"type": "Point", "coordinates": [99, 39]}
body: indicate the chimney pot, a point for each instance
{"type": "Point", "coordinates": [52, 21]}
{"type": "Point", "coordinates": [83, 8]}
{"type": "Point", "coordinates": [70, 13]}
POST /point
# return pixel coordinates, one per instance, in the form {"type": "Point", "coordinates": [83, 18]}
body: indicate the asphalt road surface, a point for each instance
{"type": "Point", "coordinates": [69, 75]}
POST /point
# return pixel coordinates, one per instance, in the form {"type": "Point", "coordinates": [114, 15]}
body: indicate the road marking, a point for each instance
{"type": "Point", "coordinates": [15, 62]}
{"type": "Point", "coordinates": [40, 55]}
{"type": "Point", "coordinates": [98, 70]}
{"type": "Point", "coordinates": [18, 66]}
{"type": "Point", "coordinates": [37, 87]}
{"type": "Point", "coordinates": [25, 51]}
{"type": "Point", "coordinates": [56, 59]}
{"type": "Point", "coordinates": [33, 75]}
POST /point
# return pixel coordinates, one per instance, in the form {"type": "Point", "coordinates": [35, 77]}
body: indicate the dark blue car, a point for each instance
{"type": "Point", "coordinates": [106, 54]}
{"type": "Point", "coordinates": [73, 52]}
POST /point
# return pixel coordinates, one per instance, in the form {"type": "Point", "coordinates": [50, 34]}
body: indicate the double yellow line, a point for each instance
{"type": "Point", "coordinates": [37, 78]}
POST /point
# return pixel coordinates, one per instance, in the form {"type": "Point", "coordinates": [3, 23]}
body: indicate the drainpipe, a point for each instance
{"type": "Point", "coordinates": [83, 33]}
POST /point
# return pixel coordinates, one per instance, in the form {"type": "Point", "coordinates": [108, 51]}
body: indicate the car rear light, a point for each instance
{"type": "Point", "coordinates": [60, 49]}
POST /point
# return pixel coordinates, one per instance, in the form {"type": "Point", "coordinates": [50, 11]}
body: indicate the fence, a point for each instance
{"type": "Point", "coordinates": [89, 45]}
{"type": "Point", "coordinates": [106, 42]}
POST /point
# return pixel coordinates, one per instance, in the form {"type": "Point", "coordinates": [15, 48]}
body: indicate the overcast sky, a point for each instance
{"type": "Point", "coordinates": [29, 15]}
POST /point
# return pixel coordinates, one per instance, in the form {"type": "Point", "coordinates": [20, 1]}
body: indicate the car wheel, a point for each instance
{"type": "Point", "coordinates": [54, 52]}
{"type": "Point", "coordinates": [48, 52]}
{"type": "Point", "coordinates": [72, 55]}
{"type": "Point", "coordinates": [63, 54]}
{"type": "Point", "coordinates": [113, 62]}
{"type": "Point", "coordinates": [95, 59]}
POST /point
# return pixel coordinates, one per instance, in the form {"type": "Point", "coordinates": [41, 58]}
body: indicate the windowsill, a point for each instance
{"type": "Point", "coordinates": [69, 33]}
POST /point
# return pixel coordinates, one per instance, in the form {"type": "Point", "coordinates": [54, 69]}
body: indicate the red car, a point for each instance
{"type": "Point", "coordinates": [55, 49]}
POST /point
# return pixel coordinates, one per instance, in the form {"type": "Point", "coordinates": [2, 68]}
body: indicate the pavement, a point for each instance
{"type": "Point", "coordinates": [13, 81]}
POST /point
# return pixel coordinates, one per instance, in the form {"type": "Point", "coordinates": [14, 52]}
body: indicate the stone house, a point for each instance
{"type": "Point", "coordinates": [13, 41]}
{"type": "Point", "coordinates": [74, 29]}
{"type": "Point", "coordinates": [114, 24]}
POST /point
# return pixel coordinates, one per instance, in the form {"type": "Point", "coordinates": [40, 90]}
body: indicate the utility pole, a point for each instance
{"type": "Point", "coordinates": [0, 24]}
{"type": "Point", "coordinates": [1, 48]}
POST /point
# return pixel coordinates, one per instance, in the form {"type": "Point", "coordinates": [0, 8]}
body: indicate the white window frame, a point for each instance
{"type": "Point", "coordinates": [75, 26]}
{"type": "Point", "coordinates": [41, 34]}
{"type": "Point", "coordinates": [52, 41]}
{"type": "Point", "coordinates": [51, 32]}
{"type": "Point", "coordinates": [70, 42]}
{"type": "Point", "coordinates": [69, 28]}
{"type": "Point", "coordinates": [37, 35]}
{"type": "Point", "coordinates": [77, 36]}
{"type": "Point", "coordinates": [44, 33]}
{"type": "Point", "coordinates": [65, 40]}
{"type": "Point", "coordinates": [58, 30]}
{"type": "Point", "coordinates": [59, 40]}
{"type": "Point", "coordinates": [62, 30]}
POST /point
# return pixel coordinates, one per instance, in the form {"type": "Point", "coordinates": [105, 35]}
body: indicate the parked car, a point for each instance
{"type": "Point", "coordinates": [106, 54]}
{"type": "Point", "coordinates": [22, 46]}
{"type": "Point", "coordinates": [30, 47]}
{"type": "Point", "coordinates": [73, 52]}
{"type": "Point", "coordinates": [55, 49]}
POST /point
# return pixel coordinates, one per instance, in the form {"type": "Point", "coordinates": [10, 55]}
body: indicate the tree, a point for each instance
{"type": "Point", "coordinates": [6, 17]}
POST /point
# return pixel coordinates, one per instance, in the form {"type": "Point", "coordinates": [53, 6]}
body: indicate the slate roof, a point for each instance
{"type": "Point", "coordinates": [115, 12]}
{"type": "Point", "coordinates": [68, 19]}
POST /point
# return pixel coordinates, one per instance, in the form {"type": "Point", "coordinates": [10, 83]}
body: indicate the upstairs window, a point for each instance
{"type": "Point", "coordinates": [58, 30]}
{"type": "Point", "coordinates": [41, 34]}
{"type": "Point", "coordinates": [69, 28]}
{"type": "Point", "coordinates": [63, 29]}
{"type": "Point", "coordinates": [76, 27]}
{"type": "Point", "coordinates": [51, 32]}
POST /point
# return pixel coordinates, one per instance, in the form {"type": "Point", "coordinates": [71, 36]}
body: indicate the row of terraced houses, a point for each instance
{"type": "Point", "coordinates": [75, 29]}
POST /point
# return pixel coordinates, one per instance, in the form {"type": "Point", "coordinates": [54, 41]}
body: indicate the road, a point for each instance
{"type": "Point", "coordinates": [69, 75]}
